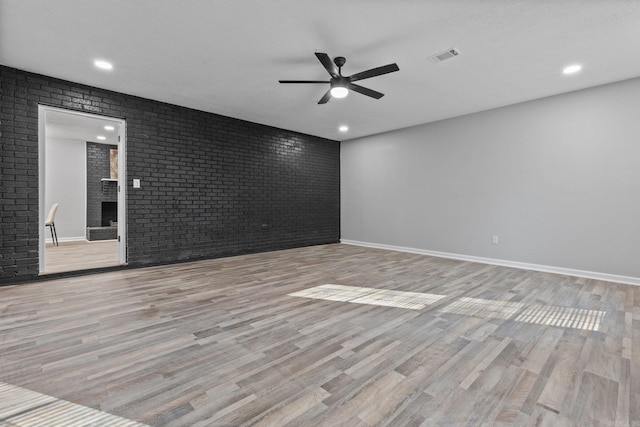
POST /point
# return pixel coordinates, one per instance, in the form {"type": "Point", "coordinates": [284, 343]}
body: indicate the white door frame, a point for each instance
{"type": "Point", "coordinates": [122, 159]}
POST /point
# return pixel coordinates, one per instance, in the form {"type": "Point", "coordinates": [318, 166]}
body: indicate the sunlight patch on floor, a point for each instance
{"type": "Point", "coordinates": [22, 407]}
{"type": "Point", "coordinates": [371, 296]}
{"type": "Point", "coordinates": [483, 308]}
{"type": "Point", "coordinates": [564, 317]}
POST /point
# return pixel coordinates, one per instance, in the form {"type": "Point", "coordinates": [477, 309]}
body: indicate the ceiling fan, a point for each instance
{"type": "Point", "coordinates": [340, 85]}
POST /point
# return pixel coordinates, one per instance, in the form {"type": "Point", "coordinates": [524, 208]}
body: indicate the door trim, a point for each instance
{"type": "Point", "coordinates": [122, 158]}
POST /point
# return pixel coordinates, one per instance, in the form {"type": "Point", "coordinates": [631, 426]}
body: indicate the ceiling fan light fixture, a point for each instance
{"type": "Point", "coordinates": [339, 92]}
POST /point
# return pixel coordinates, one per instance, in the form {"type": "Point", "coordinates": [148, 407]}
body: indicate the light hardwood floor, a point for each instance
{"type": "Point", "coordinates": [262, 340]}
{"type": "Point", "coordinates": [80, 255]}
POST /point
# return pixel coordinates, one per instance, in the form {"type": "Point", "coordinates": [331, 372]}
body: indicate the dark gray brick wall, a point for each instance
{"type": "Point", "coordinates": [211, 185]}
{"type": "Point", "coordinates": [97, 190]}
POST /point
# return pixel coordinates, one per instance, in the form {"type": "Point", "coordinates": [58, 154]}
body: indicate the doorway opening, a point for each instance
{"type": "Point", "coordinates": [82, 160]}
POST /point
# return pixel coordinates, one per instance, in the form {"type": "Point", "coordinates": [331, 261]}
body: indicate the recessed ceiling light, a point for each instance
{"type": "Point", "coordinates": [103, 64]}
{"type": "Point", "coordinates": [101, 138]}
{"type": "Point", "coordinates": [343, 128]}
{"type": "Point", "coordinates": [108, 127]}
{"type": "Point", "coordinates": [572, 69]}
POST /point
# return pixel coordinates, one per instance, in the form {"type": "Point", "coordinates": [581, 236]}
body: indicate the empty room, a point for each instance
{"type": "Point", "coordinates": [338, 213]}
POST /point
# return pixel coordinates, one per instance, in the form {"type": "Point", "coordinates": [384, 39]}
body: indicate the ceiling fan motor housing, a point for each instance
{"type": "Point", "coordinates": [338, 81]}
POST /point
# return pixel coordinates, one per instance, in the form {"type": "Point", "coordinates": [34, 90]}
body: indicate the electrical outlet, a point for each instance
{"type": "Point", "coordinates": [494, 240]}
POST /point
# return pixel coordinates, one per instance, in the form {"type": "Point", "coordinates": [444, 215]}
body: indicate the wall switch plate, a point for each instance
{"type": "Point", "coordinates": [136, 183]}
{"type": "Point", "coordinates": [494, 240]}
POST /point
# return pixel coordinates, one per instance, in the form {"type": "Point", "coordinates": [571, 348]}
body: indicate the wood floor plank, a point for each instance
{"type": "Point", "coordinates": [565, 359]}
{"type": "Point", "coordinates": [224, 342]}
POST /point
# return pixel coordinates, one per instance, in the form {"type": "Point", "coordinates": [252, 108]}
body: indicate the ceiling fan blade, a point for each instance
{"type": "Point", "coordinates": [328, 64]}
{"type": "Point", "coordinates": [303, 81]}
{"type": "Point", "coordinates": [385, 69]}
{"type": "Point", "coordinates": [365, 91]}
{"type": "Point", "coordinates": [325, 98]}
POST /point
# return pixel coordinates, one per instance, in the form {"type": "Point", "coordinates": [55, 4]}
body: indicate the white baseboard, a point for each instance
{"type": "Point", "coordinates": [66, 239]}
{"type": "Point", "coordinates": [504, 263]}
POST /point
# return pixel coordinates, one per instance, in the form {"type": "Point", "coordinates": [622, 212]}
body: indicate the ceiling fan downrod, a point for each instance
{"type": "Point", "coordinates": [339, 61]}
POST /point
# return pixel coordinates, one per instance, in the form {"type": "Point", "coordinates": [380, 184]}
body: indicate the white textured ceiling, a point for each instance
{"type": "Point", "coordinates": [63, 125]}
{"type": "Point", "coordinates": [226, 57]}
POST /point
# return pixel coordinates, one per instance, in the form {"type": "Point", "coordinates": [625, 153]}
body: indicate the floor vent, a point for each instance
{"type": "Point", "coordinates": [443, 56]}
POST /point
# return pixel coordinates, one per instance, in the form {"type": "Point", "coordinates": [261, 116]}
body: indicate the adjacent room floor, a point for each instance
{"type": "Point", "coordinates": [80, 255]}
{"type": "Point", "coordinates": [331, 335]}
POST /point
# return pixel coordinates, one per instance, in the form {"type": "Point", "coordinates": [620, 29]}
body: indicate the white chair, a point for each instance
{"type": "Point", "coordinates": [51, 224]}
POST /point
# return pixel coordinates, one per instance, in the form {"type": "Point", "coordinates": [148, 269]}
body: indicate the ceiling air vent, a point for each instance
{"type": "Point", "coordinates": [443, 56]}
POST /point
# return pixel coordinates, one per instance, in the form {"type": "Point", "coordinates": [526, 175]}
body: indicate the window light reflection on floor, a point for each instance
{"type": "Point", "coordinates": [484, 308]}
{"type": "Point", "coordinates": [23, 407]}
{"type": "Point", "coordinates": [372, 296]}
{"type": "Point", "coordinates": [564, 317]}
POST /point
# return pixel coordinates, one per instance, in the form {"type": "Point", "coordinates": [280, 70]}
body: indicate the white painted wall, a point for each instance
{"type": "Point", "coordinates": [556, 179]}
{"type": "Point", "coordinates": [66, 183]}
